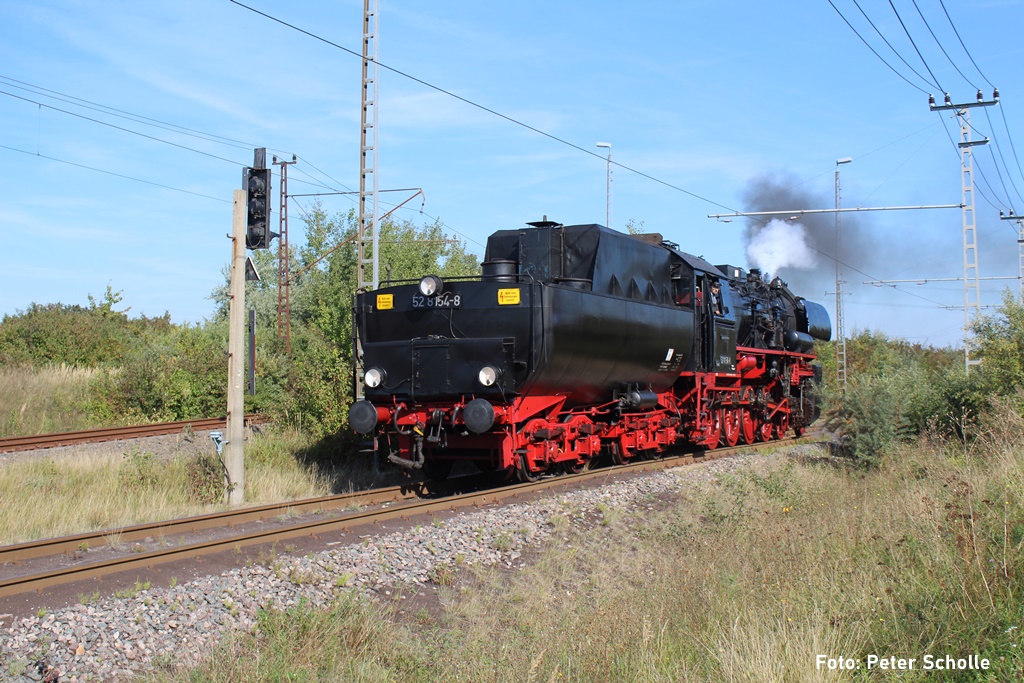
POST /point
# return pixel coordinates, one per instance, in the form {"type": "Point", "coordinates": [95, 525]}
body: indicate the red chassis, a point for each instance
{"type": "Point", "coordinates": [534, 434]}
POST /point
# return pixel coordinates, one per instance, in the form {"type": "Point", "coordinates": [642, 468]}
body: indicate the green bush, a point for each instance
{"type": "Point", "coordinates": [320, 382]}
{"type": "Point", "coordinates": [80, 336]}
{"type": "Point", "coordinates": [866, 419]}
{"type": "Point", "coordinates": [179, 375]}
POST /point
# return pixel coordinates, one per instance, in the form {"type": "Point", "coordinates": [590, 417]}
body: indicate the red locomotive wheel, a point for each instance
{"type": "Point", "coordinates": [577, 467]}
{"type": "Point", "coordinates": [523, 473]}
{"type": "Point", "coordinates": [714, 431]}
{"type": "Point", "coordinates": [730, 426]}
{"type": "Point", "coordinates": [748, 426]}
{"type": "Point", "coordinates": [765, 430]}
{"type": "Point", "coordinates": [615, 452]}
{"type": "Point", "coordinates": [782, 426]}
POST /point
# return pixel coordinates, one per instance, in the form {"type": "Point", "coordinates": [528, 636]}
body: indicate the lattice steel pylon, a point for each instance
{"type": "Point", "coordinates": [972, 289]}
{"type": "Point", "coordinates": [284, 307]}
{"type": "Point", "coordinates": [369, 228]}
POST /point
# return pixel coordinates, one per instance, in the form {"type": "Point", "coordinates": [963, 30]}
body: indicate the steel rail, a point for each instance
{"type": "Point", "coordinates": [314, 528]}
{"type": "Point", "coordinates": [67, 545]}
{"type": "Point", "coordinates": [40, 441]}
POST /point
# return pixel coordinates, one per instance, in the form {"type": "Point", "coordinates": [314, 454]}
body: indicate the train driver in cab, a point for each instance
{"type": "Point", "coordinates": [716, 297]}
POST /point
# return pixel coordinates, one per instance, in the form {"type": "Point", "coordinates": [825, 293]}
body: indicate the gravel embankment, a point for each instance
{"type": "Point", "coordinates": [111, 638]}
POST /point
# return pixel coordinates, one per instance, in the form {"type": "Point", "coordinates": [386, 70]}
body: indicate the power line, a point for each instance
{"type": "Point", "coordinates": [165, 125]}
{"type": "Point", "coordinates": [1003, 159]}
{"type": "Point", "coordinates": [905, 162]}
{"type": "Point", "coordinates": [875, 52]}
{"type": "Point", "coordinates": [1009, 137]}
{"type": "Point", "coordinates": [920, 14]}
{"type": "Point", "coordinates": [911, 39]}
{"type": "Point", "coordinates": [861, 156]}
{"type": "Point", "coordinates": [480, 106]}
{"type": "Point", "coordinates": [119, 113]}
{"type": "Point", "coordinates": [995, 137]}
{"type": "Point", "coordinates": [122, 128]}
{"type": "Point", "coordinates": [966, 51]}
{"type": "Point", "coordinates": [119, 175]}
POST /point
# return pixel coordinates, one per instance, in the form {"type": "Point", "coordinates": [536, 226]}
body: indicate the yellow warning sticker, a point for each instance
{"type": "Point", "coordinates": [385, 302]}
{"type": "Point", "coordinates": [508, 297]}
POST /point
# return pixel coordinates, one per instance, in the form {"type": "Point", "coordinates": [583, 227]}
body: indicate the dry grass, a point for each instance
{"type": "Point", "coordinates": [748, 578]}
{"type": "Point", "coordinates": [39, 401]}
{"type": "Point", "coordinates": [76, 493]}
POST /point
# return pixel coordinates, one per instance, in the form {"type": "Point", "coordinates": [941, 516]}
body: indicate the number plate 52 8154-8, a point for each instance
{"type": "Point", "coordinates": [443, 300]}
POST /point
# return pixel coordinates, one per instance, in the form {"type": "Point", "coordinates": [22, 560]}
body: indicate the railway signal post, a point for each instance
{"type": "Point", "coordinates": [234, 461]}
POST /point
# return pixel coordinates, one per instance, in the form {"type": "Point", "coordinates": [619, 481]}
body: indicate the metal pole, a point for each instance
{"type": "Point", "coordinates": [854, 209]}
{"type": "Point", "coordinates": [234, 455]}
{"type": "Point", "coordinates": [840, 303]}
{"type": "Point", "coordinates": [607, 185]}
{"type": "Point", "coordinates": [608, 191]}
{"type": "Point", "coordinates": [251, 375]}
{"type": "Point", "coordinates": [284, 308]}
{"type": "Point", "coordinates": [1020, 250]}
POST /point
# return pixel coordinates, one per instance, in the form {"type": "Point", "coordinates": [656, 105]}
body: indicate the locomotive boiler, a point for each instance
{"type": "Point", "coordinates": [578, 342]}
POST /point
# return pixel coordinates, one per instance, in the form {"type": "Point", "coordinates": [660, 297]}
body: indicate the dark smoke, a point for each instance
{"type": "Point", "coordinates": [781, 193]}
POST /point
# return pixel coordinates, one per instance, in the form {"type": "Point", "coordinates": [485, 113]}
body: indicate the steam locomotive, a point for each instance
{"type": "Point", "coordinates": [579, 342]}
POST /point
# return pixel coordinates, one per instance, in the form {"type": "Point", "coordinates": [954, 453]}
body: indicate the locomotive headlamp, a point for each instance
{"type": "Point", "coordinates": [431, 285]}
{"type": "Point", "coordinates": [488, 375]}
{"type": "Point", "coordinates": [374, 377]}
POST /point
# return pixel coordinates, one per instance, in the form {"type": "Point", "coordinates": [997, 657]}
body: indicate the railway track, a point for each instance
{"type": "Point", "coordinates": [40, 441]}
{"type": "Point", "coordinates": [321, 516]}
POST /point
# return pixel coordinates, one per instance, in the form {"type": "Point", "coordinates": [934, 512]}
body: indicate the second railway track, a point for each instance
{"type": "Point", "coordinates": [15, 444]}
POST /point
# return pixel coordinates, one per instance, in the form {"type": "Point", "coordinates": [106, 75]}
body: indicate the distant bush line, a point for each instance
{"type": "Point", "coordinates": [145, 369]}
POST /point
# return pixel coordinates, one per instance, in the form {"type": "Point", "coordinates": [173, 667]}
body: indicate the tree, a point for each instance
{"type": "Point", "coordinates": [999, 340]}
{"type": "Point", "coordinates": [314, 384]}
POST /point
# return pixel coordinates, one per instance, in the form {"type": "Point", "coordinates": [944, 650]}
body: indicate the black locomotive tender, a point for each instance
{"type": "Point", "coordinates": [576, 342]}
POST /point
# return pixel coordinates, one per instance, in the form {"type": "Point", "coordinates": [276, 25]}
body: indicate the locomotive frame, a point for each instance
{"type": "Point", "coordinates": [579, 342]}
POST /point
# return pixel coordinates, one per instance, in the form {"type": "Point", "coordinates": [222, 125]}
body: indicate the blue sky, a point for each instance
{"type": "Point", "coordinates": [708, 98]}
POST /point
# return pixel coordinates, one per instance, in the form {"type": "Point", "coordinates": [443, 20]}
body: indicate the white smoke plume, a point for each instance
{"type": "Point", "coordinates": [780, 244]}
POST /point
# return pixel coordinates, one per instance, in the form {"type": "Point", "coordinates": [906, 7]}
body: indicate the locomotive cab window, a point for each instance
{"type": "Point", "coordinates": [682, 286]}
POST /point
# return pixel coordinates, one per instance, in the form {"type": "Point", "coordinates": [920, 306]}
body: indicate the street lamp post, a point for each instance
{"type": "Point", "coordinates": [607, 185]}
